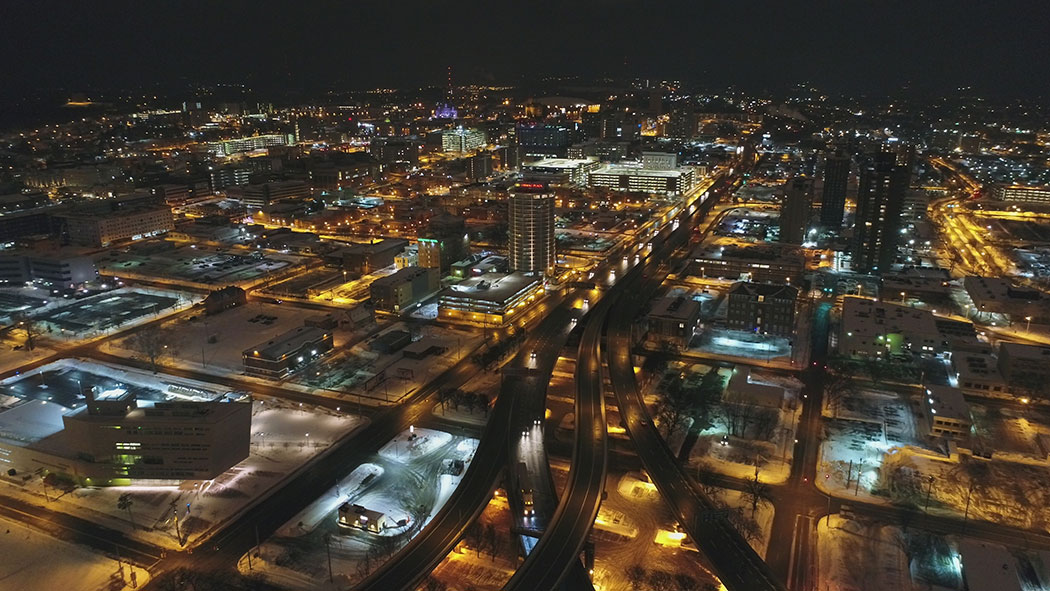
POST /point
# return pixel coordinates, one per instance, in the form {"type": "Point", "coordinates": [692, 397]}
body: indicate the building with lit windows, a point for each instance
{"type": "Point", "coordinates": [877, 329]}
{"type": "Point", "coordinates": [946, 411]}
{"type": "Point", "coordinates": [762, 264]}
{"type": "Point", "coordinates": [560, 171]}
{"type": "Point", "coordinates": [531, 214]}
{"type": "Point", "coordinates": [1022, 194]}
{"type": "Point", "coordinates": [673, 320]}
{"type": "Point", "coordinates": [282, 355]}
{"type": "Point", "coordinates": [880, 200]}
{"type": "Point", "coordinates": [765, 308]}
{"type": "Point", "coordinates": [462, 140]}
{"type": "Point", "coordinates": [490, 299]}
{"type": "Point", "coordinates": [636, 179]}
{"type": "Point", "coordinates": [833, 196]}
{"type": "Point", "coordinates": [397, 292]}
{"type": "Point", "coordinates": [248, 144]}
{"type": "Point", "coordinates": [794, 212]}
{"type": "Point", "coordinates": [102, 228]}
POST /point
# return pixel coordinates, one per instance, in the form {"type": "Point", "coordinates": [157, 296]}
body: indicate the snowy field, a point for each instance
{"type": "Point", "coordinates": [741, 457]}
{"type": "Point", "coordinates": [408, 481]}
{"type": "Point", "coordinates": [855, 557]}
{"type": "Point", "coordinates": [284, 438]}
{"type": "Point", "coordinates": [31, 560]}
{"type": "Point", "coordinates": [877, 439]}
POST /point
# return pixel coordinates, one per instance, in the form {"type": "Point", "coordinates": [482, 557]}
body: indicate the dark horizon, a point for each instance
{"type": "Point", "coordinates": [932, 47]}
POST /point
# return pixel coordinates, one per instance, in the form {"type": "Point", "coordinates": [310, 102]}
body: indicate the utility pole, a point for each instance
{"type": "Point", "coordinates": [328, 547]}
{"type": "Point", "coordinates": [928, 491]}
{"type": "Point", "coordinates": [175, 513]}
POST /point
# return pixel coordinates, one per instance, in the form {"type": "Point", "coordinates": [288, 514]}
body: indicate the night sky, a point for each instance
{"type": "Point", "coordinates": [998, 47]}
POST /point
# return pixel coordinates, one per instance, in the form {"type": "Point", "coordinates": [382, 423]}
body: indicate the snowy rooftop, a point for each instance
{"type": "Point", "coordinates": [867, 317]}
{"type": "Point", "coordinates": [31, 421]}
{"type": "Point", "coordinates": [947, 402]}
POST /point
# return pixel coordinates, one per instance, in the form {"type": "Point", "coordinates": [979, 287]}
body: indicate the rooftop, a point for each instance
{"type": "Point", "coordinates": [622, 169]}
{"type": "Point", "coordinates": [566, 163]}
{"type": "Point", "coordinates": [947, 402]}
{"type": "Point", "coordinates": [286, 343]}
{"type": "Point", "coordinates": [492, 287]}
{"type": "Point", "coordinates": [678, 308]}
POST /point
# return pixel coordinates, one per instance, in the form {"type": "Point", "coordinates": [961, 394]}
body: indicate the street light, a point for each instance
{"type": "Point", "coordinates": [1028, 327]}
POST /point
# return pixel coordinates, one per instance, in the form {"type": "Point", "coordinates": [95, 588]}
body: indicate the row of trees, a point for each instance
{"type": "Point", "coordinates": [470, 400]}
{"type": "Point", "coordinates": [657, 580]}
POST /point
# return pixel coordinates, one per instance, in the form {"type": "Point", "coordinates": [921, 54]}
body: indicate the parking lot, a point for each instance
{"type": "Point", "coordinates": [187, 264]}
{"type": "Point", "coordinates": [106, 311]}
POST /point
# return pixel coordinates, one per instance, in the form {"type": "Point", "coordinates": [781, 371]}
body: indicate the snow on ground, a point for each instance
{"type": "Point", "coordinates": [762, 516]}
{"type": "Point", "coordinates": [31, 560]}
{"type": "Point", "coordinates": [884, 450]}
{"type": "Point", "coordinates": [407, 472]}
{"type": "Point", "coordinates": [855, 557]}
{"type": "Point", "coordinates": [279, 447]}
{"type": "Point", "coordinates": [414, 444]}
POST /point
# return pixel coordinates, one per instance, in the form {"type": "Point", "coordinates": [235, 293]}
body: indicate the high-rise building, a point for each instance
{"type": "Point", "coordinates": [833, 198]}
{"type": "Point", "coordinates": [532, 228]}
{"type": "Point", "coordinates": [444, 242]}
{"type": "Point", "coordinates": [883, 184]}
{"type": "Point", "coordinates": [479, 166]}
{"type": "Point", "coordinates": [794, 212]}
{"type": "Point", "coordinates": [462, 140]}
{"type": "Point", "coordinates": [545, 141]}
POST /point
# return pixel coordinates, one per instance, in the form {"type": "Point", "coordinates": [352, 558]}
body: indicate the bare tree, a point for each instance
{"type": "Point", "coordinates": [29, 327]}
{"type": "Point", "coordinates": [636, 576]}
{"type": "Point", "coordinates": [124, 503]}
{"type": "Point", "coordinates": [755, 492]}
{"type": "Point", "coordinates": [152, 342]}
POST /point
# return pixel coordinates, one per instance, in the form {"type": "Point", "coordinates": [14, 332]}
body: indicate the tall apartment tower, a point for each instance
{"type": "Point", "coordinates": [532, 228]}
{"type": "Point", "coordinates": [883, 184]}
{"type": "Point", "coordinates": [833, 199]}
{"type": "Point", "coordinates": [794, 213]}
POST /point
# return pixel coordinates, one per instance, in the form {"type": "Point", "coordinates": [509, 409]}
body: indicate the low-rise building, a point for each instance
{"type": "Point", "coordinates": [491, 299]}
{"type": "Point", "coordinates": [761, 264]}
{"type": "Point", "coordinates": [363, 259]}
{"type": "Point", "coordinates": [946, 411]}
{"type": "Point", "coordinates": [878, 329]}
{"type": "Point", "coordinates": [395, 293]}
{"type": "Point", "coordinates": [673, 320]}
{"type": "Point", "coordinates": [116, 439]}
{"type": "Point", "coordinates": [59, 268]}
{"type": "Point", "coordinates": [995, 295]}
{"type": "Point", "coordinates": [358, 517]}
{"type": "Point", "coordinates": [224, 299]}
{"type": "Point", "coordinates": [1024, 367]}
{"type": "Point", "coordinates": [976, 370]}
{"type": "Point", "coordinates": [765, 308]}
{"type": "Point", "coordinates": [286, 353]}
{"type": "Point", "coordinates": [262, 195]}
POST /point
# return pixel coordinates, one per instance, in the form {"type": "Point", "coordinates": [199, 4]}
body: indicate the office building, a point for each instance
{"type": "Point", "coordinates": [763, 264]}
{"type": "Point", "coordinates": [462, 140]}
{"type": "Point", "coordinates": [249, 144]}
{"type": "Point", "coordinates": [262, 195]}
{"type": "Point", "coordinates": [104, 226]}
{"type": "Point", "coordinates": [833, 196]}
{"type": "Point", "coordinates": [682, 124]}
{"type": "Point", "coordinates": [883, 184]}
{"type": "Point", "coordinates": [619, 124]}
{"type": "Point", "coordinates": [794, 211]}
{"type": "Point", "coordinates": [531, 215]}
{"type": "Point", "coordinates": [444, 242]}
{"type": "Point", "coordinates": [764, 308]}
{"type": "Point", "coordinates": [560, 171]}
{"type": "Point", "coordinates": [286, 353]}
{"type": "Point", "coordinates": [673, 320]}
{"type": "Point", "coordinates": [878, 329]}
{"type": "Point", "coordinates": [479, 166]}
{"type": "Point", "coordinates": [545, 141]}
{"type": "Point", "coordinates": [60, 269]}
{"type": "Point", "coordinates": [172, 194]}
{"type": "Point", "coordinates": [603, 150]}
{"type": "Point", "coordinates": [364, 258]}
{"type": "Point", "coordinates": [1024, 366]}
{"type": "Point", "coordinates": [397, 292]}
{"type": "Point", "coordinates": [395, 150]}
{"type": "Point", "coordinates": [635, 179]}
{"type": "Point", "coordinates": [995, 295]}
{"type": "Point", "coordinates": [659, 160]}
{"type": "Point", "coordinates": [116, 439]}
{"type": "Point", "coordinates": [946, 412]}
